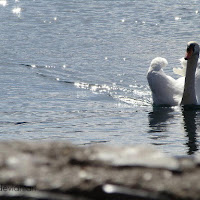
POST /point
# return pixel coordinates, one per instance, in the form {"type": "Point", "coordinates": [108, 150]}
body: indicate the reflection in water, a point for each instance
{"type": "Point", "coordinates": [159, 120]}
{"type": "Point", "coordinates": [189, 118]}
{"type": "Point", "coordinates": [158, 117]}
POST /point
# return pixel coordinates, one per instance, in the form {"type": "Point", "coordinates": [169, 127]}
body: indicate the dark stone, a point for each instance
{"type": "Point", "coordinates": [59, 170]}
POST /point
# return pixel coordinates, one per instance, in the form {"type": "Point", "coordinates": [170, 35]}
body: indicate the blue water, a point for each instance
{"type": "Point", "coordinates": [76, 71]}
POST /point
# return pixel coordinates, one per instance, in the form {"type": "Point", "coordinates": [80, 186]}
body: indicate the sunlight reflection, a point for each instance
{"type": "Point", "coordinates": [17, 11]}
{"type": "Point", "coordinates": [3, 2]}
{"type": "Point", "coordinates": [177, 18]}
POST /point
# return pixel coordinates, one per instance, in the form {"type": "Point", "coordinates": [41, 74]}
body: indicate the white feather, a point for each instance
{"type": "Point", "coordinates": [165, 89]}
{"type": "Point", "coordinates": [181, 71]}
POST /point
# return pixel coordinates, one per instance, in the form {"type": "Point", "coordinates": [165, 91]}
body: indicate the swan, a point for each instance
{"type": "Point", "coordinates": [182, 91]}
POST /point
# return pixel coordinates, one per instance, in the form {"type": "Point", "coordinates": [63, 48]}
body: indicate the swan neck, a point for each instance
{"type": "Point", "coordinates": [189, 94]}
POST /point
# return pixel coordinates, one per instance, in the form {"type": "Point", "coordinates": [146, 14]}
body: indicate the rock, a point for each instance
{"type": "Point", "coordinates": [59, 170]}
{"type": "Point", "coordinates": [138, 156]}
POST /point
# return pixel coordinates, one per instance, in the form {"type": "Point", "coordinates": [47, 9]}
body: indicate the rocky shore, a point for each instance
{"type": "Point", "coordinates": [59, 170]}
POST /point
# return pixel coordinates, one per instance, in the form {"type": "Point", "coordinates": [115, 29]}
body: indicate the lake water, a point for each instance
{"type": "Point", "coordinates": [76, 71]}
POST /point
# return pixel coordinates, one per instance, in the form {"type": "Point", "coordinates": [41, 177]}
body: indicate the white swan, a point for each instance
{"type": "Point", "coordinates": [182, 91]}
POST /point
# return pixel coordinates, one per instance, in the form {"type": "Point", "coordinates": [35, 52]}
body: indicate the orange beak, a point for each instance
{"type": "Point", "coordinates": [188, 54]}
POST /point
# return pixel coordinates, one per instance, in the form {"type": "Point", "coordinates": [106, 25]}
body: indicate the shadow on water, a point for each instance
{"type": "Point", "coordinates": [158, 117]}
{"type": "Point", "coordinates": [161, 117]}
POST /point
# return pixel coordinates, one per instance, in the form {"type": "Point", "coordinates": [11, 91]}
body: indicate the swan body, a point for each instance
{"type": "Point", "coordinates": [182, 91]}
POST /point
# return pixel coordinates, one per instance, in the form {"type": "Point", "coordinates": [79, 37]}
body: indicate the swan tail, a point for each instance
{"type": "Point", "coordinates": [158, 63]}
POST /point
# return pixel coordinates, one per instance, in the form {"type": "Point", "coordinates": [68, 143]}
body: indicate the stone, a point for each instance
{"type": "Point", "coordinates": [60, 170]}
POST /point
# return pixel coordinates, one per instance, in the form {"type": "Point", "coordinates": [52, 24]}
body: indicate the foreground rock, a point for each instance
{"type": "Point", "coordinates": [57, 170]}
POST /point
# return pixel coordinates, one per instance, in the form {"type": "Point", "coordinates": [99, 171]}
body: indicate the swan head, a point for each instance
{"type": "Point", "coordinates": [192, 50]}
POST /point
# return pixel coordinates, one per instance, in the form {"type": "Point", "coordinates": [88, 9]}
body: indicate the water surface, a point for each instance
{"type": "Point", "coordinates": [76, 71]}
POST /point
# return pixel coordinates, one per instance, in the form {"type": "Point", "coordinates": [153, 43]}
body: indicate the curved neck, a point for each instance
{"type": "Point", "coordinates": [189, 94]}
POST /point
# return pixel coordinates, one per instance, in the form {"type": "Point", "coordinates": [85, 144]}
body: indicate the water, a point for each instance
{"type": "Point", "coordinates": [76, 71]}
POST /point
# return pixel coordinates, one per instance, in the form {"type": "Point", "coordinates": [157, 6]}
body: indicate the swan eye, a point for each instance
{"type": "Point", "coordinates": [191, 47]}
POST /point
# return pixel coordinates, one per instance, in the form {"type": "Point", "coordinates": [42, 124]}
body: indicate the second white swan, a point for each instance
{"type": "Point", "coordinates": [169, 91]}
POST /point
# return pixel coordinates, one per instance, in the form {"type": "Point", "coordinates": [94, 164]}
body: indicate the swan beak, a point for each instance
{"type": "Point", "coordinates": [188, 54]}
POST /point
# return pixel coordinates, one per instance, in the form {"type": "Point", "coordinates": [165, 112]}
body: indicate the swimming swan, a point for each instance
{"type": "Point", "coordinates": [182, 91]}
